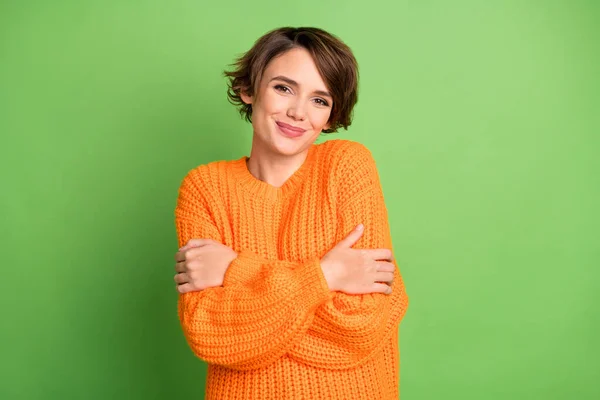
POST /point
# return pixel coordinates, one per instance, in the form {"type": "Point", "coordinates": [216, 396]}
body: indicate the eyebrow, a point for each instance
{"type": "Point", "coordinates": [294, 83]}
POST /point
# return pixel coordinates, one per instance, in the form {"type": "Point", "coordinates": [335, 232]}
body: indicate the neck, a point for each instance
{"type": "Point", "coordinates": [274, 168]}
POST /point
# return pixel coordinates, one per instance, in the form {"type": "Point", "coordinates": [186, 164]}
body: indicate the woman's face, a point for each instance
{"type": "Point", "coordinates": [292, 105]}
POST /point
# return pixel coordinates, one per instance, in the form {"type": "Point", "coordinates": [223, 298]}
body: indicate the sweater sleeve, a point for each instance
{"type": "Point", "coordinates": [263, 306]}
{"type": "Point", "coordinates": [349, 329]}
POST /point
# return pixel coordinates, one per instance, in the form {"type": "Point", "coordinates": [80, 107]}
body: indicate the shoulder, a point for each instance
{"type": "Point", "coordinates": [346, 158]}
{"type": "Point", "coordinates": [205, 177]}
{"type": "Point", "coordinates": [344, 148]}
{"type": "Point", "coordinates": [351, 170]}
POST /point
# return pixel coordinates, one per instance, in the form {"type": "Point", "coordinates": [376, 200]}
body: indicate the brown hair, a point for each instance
{"type": "Point", "coordinates": [334, 60]}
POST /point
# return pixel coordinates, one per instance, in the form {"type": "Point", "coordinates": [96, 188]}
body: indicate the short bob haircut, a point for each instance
{"type": "Point", "coordinates": [334, 61]}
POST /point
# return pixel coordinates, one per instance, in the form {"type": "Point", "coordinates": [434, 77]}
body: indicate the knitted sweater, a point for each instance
{"type": "Point", "coordinates": [274, 330]}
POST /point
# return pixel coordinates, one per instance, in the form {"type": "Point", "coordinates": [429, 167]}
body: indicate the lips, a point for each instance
{"type": "Point", "coordinates": [290, 130]}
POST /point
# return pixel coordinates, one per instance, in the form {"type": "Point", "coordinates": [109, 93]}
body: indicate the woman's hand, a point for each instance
{"type": "Point", "coordinates": [201, 264]}
{"type": "Point", "coordinates": [357, 271]}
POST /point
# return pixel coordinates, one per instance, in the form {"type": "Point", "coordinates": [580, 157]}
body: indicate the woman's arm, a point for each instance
{"type": "Point", "coordinates": [261, 310]}
{"type": "Point", "coordinates": [349, 329]}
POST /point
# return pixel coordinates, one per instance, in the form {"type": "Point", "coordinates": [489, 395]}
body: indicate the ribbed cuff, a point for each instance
{"type": "Point", "coordinates": [306, 278]}
{"type": "Point", "coordinates": [312, 282]}
{"type": "Point", "coordinates": [241, 269]}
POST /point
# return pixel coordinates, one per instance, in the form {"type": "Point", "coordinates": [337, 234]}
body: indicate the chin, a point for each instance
{"type": "Point", "coordinates": [288, 149]}
{"type": "Point", "coordinates": [287, 146]}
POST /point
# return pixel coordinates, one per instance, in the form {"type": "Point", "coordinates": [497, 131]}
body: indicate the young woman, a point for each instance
{"type": "Point", "coordinates": [288, 288]}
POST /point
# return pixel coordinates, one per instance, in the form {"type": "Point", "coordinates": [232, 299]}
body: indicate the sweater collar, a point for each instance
{"type": "Point", "coordinates": [262, 189]}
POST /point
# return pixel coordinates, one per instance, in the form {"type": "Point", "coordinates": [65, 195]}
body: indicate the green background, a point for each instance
{"type": "Point", "coordinates": [483, 116]}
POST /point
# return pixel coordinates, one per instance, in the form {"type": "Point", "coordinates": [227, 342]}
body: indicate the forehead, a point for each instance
{"type": "Point", "coordinates": [298, 65]}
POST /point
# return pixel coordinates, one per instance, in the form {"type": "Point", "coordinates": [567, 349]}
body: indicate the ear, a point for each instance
{"type": "Point", "coordinates": [245, 97]}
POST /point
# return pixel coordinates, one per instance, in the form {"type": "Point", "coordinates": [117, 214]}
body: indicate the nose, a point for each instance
{"type": "Point", "coordinates": [296, 111]}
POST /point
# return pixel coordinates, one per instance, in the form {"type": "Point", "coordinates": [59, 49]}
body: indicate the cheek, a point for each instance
{"type": "Point", "coordinates": [273, 103]}
{"type": "Point", "coordinates": [319, 118]}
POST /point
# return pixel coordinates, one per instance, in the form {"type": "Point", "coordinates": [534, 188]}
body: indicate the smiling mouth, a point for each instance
{"type": "Point", "coordinates": [289, 130]}
{"type": "Point", "coordinates": [290, 127]}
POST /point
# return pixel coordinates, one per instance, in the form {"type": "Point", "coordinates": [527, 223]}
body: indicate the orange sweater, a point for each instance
{"type": "Point", "coordinates": [274, 330]}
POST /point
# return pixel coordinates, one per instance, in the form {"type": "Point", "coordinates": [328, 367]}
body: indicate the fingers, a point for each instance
{"type": "Point", "coordinates": [352, 237]}
{"type": "Point", "coordinates": [195, 243]}
{"type": "Point", "coordinates": [375, 254]}
{"type": "Point", "coordinates": [180, 267]}
{"type": "Point", "coordinates": [184, 284]}
{"type": "Point", "coordinates": [384, 266]}
{"type": "Point", "coordinates": [384, 277]}
{"type": "Point", "coordinates": [180, 279]}
{"type": "Point", "coordinates": [381, 288]}
{"type": "Point", "coordinates": [380, 254]}
{"type": "Point", "coordinates": [185, 288]}
{"type": "Point", "coordinates": [180, 256]}
{"type": "Point", "coordinates": [191, 244]}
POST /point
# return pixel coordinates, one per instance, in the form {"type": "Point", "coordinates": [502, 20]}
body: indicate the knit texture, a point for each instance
{"type": "Point", "coordinates": [274, 330]}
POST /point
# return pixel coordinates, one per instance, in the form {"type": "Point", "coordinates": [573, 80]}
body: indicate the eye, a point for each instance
{"type": "Point", "coordinates": [282, 88]}
{"type": "Point", "coordinates": [322, 102]}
